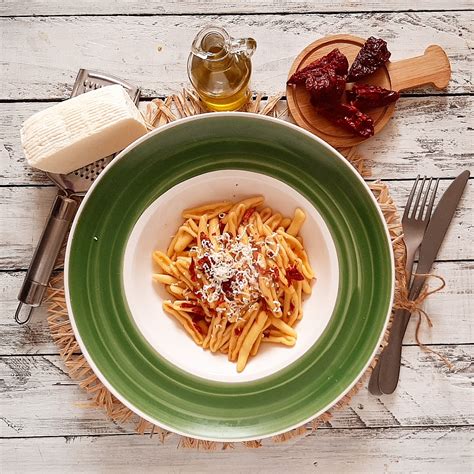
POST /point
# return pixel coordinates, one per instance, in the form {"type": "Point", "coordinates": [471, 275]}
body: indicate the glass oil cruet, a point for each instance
{"type": "Point", "coordinates": [219, 68]}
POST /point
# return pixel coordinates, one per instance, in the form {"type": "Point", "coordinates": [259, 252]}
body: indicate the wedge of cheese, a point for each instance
{"type": "Point", "coordinates": [81, 130]}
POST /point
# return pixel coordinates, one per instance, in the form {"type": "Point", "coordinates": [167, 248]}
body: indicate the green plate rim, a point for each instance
{"type": "Point", "coordinates": [90, 359]}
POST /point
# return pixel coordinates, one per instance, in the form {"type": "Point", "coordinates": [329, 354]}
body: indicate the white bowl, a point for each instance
{"type": "Point", "coordinates": [154, 230]}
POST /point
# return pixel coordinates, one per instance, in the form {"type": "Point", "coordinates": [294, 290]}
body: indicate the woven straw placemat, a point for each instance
{"type": "Point", "coordinates": [159, 112]}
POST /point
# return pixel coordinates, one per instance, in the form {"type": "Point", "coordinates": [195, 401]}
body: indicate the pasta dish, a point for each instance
{"type": "Point", "coordinates": [237, 273]}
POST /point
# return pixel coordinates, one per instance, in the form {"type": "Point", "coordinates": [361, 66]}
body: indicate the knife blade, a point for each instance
{"type": "Point", "coordinates": [437, 228]}
{"type": "Point", "coordinates": [389, 362]}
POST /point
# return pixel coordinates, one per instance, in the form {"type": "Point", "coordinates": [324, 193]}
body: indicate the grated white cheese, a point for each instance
{"type": "Point", "coordinates": [231, 270]}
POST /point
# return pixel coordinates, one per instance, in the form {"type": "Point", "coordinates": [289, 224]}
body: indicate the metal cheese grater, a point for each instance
{"type": "Point", "coordinates": [64, 207]}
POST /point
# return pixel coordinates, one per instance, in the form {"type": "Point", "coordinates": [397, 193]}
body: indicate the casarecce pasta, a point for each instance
{"type": "Point", "coordinates": [237, 273]}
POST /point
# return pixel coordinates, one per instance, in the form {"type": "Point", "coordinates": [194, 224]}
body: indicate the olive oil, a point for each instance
{"type": "Point", "coordinates": [219, 68]}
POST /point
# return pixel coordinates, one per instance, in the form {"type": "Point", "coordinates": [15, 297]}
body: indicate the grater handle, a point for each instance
{"type": "Point", "coordinates": [44, 258]}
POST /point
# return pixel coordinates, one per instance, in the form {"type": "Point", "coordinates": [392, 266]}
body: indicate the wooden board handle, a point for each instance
{"type": "Point", "coordinates": [431, 68]}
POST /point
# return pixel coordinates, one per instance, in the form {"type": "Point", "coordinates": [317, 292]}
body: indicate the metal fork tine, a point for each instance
{"type": "Point", "coordinates": [418, 197]}
{"type": "Point", "coordinates": [423, 201]}
{"type": "Point", "coordinates": [410, 197]}
{"type": "Point", "coordinates": [432, 199]}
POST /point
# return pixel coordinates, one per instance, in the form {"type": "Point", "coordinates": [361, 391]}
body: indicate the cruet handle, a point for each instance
{"type": "Point", "coordinates": [246, 46]}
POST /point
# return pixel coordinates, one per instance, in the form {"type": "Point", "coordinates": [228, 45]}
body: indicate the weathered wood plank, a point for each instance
{"type": "Point", "coordinates": [32, 338]}
{"type": "Point", "coordinates": [39, 399]}
{"type": "Point", "coordinates": [435, 450]}
{"type": "Point", "coordinates": [431, 135]}
{"type": "Point", "coordinates": [41, 56]}
{"type": "Point", "coordinates": [23, 211]}
{"type": "Point", "coordinates": [167, 7]}
{"type": "Point", "coordinates": [31, 384]}
{"type": "Point", "coordinates": [450, 310]}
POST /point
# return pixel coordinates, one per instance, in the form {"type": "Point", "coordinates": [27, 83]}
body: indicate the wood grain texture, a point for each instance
{"type": "Point", "coordinates": [167, 7]}
{"type": "Point", "coordinates": [32, 338]}
{"type": "Point", "coordinates": [41, 56]}
{"type": "Point", "coordinates": [23, 211]}
{"type": "Point", "coordinates": [39, 399]}
{"type": "Point", "coordinates": [432, 67]}
{"type": "Point", "coordinates": [426, 426]}
{"type": "Point", "coordinates": [431, 135]}
{"type": "Point", "coordinates": [450, 310]}
{"type": "Point", "coordinates": [309, 117]}
{"type": "Point", "coordinates": [435, 450]}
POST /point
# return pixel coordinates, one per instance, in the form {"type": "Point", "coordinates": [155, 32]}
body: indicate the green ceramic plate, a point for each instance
{"type": "Point", "coordinates": [205, 403]}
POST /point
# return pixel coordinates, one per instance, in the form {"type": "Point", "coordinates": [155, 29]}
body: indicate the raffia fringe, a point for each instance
{"type": "Point", "coordinates": [160, 112]}
{"type": "Point", "coordinates": [185, 104]}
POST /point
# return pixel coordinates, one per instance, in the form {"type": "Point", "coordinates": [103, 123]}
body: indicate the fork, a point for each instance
{"type": "Point", "coordinates": [414, 222]}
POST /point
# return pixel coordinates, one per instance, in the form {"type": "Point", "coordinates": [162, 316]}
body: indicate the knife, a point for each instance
{"type": "Point", "coordinates": [388, 367]}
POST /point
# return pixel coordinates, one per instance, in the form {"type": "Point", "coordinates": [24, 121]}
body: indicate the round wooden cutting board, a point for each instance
{"type": "Point", "coordinates": [431, 68]}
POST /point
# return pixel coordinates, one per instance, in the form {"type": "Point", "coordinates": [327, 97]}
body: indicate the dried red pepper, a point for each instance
{"type": "Point", "coordinates": [198, 328]}
{"type": "Point", "coordinates": [198, 316]}
{"type": "Point", "coordinates": [227, 287]}
{"type": "Point", "coordinates": [351, 118]}
{"type": "Point", "coordinates": [324, 78]}
{"type": "Point", "coordinates": [197, 310]}
{"type": "Point", "coordinates": [192, 271]}
{"type": "Point", "coordinates": [334, 60]}
{"type": "Point", "coordinates": [186, 304]}
{"type": "Point", "coordinates": [204, 239]}
{"type": "Point", "coordinates": [373, 54]}
{"type": "Point", "coordinates": [292, 273]}
{"type": "Point", "coordinates": [260, 269]}
{"type": "Point", "coordinates": [365, 96]}
{"type": "Point", "coordinates": [238, 331]}
{"type": "Point", "coordinates": [272, 271]}
{"type": "Point", "coordinates": [275, 273]}
{"type": "Point", "coordinates": [247, 215]}
{"type": "Point", "coordinates": [325, 86]}
{"type": "Point", "coordinates": [204, 260]}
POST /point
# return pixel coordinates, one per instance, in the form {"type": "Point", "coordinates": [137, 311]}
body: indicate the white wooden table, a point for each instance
{"type": "Point", "coordinates": [426, 426]}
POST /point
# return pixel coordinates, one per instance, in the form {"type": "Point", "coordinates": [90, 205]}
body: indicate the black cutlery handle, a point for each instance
{"type": "Point", "coordinates": [388, 369]}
